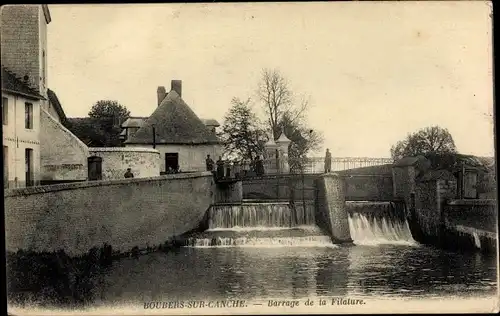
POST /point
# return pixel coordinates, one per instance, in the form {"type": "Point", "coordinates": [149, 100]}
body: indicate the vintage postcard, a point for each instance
{"type": "Point", "coordinates": [248, 158]}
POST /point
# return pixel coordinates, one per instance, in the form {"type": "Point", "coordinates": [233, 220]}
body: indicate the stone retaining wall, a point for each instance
{"type": "Point", "coordinates": [75, 217]}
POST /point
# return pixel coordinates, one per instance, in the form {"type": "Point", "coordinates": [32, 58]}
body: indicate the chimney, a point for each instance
{"type": "Point", "coordinates": [177, 86]}
{"type": "Point", "coordinates": [162, 93]}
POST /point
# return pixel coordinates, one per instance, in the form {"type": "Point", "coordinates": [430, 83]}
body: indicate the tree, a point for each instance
{"type": "Point", "coordinates": [278, 100]}
{"type": "Point", "coordinates": [429, 140]}
{"type": "Point", "coordinates": [242, 134]}
{"type": "Point", "coordinates": [284, 113]}
{"type": "Point", "coordinates": [87, 129]}
{"type": "Point", "coordinates": [102, 127]}
{"type": "Point", "coordinates": [303, 140]}
{"type": "Point", "coordinates": [109, 110]}
{"type": "Point", "coordinates": [108, 115]}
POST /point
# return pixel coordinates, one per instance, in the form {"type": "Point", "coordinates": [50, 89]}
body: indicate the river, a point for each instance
{"type": "Point", "coordinates": [296, 272]}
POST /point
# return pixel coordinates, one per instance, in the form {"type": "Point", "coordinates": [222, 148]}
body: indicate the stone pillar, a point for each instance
{"type": "Point", "coordinates": [271, 160]}
{"type": "Point", "coordinates": [283, 142]}
{"type": "Point", "coordinates": [285, 166]}
{"type": "Point", "coordinates": [331, 213]}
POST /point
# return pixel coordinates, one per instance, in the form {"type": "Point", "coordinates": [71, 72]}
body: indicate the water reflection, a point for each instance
{"type": "Point", "coordinates": [291, 272]}
{"type": "Point", "coordinates": [331, 276]}
{"type": "Point", "coordinates": [248, 273]}
{"type": "Point", "coordinates": [267, 272]}
{"type": "Point", "coordinates": [404, 270]}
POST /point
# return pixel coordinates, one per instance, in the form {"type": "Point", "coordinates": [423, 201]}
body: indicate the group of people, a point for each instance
{"type": "Point", "coordinates": [171, 170]}
{"type": "Point", "coordinates": [210, 164]}
{"type": "Point", "coordinates": [128, 174]}
{"type": "Point", "coordinates": [257, 166]}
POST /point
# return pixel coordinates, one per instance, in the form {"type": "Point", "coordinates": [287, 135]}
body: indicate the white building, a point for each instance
{"type": "Point", "coordinates": [21, 132]}
{"type": "Point", "coordinates": [183, 139]}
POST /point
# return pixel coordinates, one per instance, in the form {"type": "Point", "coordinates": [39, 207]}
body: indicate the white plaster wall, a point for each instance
{"type": "Point", "coordinates": [63, 155]}
{"type": "Point", "coordinates": [191, 157]}
{"type": "Point", "coordinates": [144, 162]}
{"type": "Point", "coordinates": [17, 138]}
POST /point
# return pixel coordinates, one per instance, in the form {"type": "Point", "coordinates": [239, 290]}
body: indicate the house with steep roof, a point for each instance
{"type": "Point", "coordinates": [133, 123]}
{"type": "Point", "coordinates": [181, 137]}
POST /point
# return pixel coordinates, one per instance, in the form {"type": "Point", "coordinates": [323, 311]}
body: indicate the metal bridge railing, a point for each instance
{"type": "Point", "coordinates": [312, 165]}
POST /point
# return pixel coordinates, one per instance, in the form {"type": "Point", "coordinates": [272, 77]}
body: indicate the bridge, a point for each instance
{"type": "Point", "coordinates": [234, 171]}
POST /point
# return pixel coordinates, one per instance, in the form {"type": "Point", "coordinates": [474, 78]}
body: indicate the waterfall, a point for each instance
{"type": "Point", "coordinates": [378, 223]}
{"type": "Point", "coordinates": [269, 224]}
{"type": "Point", "coordinates": [269, 242]}
{"type": "Point", "coordinates": [259, 216]}
{"type": "Point", "coordinates": [477, 240]}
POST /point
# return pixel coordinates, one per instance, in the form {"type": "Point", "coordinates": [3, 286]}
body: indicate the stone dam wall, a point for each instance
{"type": "Point", "coordinates": [475, 221]}
{"type": "Point", "coordinates": [331, 213]}
{"type": "Point", "coordinates": [124, 214]}
{"type": "Point", "coordinates": [438, 219]}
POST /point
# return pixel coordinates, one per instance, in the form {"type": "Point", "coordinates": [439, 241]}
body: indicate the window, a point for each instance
{"type": "Point", "coordinates": [28, 153]}
{"type": "Point", "coordinates": [28, 115]}
{"type": "Point", "coordinates": [5, 111]}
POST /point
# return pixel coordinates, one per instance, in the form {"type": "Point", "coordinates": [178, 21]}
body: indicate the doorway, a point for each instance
{"type": "Point", "coordinates": [95, 168]}
{"type": "Point", "coordinates": [171, 162]}
{"type": "Point", "coordinates": [28, 154]}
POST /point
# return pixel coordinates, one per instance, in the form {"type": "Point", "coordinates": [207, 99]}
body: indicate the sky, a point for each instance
{"type": "Point", "coordinates": [373, 72]}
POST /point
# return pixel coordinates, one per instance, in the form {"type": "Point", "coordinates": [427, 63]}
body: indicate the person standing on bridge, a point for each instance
{"type": "Point", "coordinates": [220, 168]}
{"type": "Point", "coordinates": [259, 166]}
{"type": "Point", "coordinates": [209, 163]}
{"type": "Point", "coordinates": [328, 161]}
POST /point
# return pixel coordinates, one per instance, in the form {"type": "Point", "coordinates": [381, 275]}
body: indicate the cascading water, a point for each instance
{"type": "Point", "coordinates": [378, 223]}
{"type": "Point", "coordinates": [304, 241]}
{"type": "Point", "coordinates": [261, 225]}
{"type": "Point", "coordinates": [259, 216]}
{"type": "Point", "coordinates": [477, 240]}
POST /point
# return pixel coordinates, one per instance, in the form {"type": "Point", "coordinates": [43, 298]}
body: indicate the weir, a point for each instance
{"type": "Point", "coordinates": [254, 216]}
{"type": "Point", "coordinates": [378, 223]}
{"type": "Point", "coordinates": [261, 224]}
{"type": "Point", "coordinates": [325, 221]}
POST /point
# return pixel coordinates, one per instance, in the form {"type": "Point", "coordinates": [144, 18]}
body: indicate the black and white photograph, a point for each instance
{"type": "Point", "coordinates": [249, 158]}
